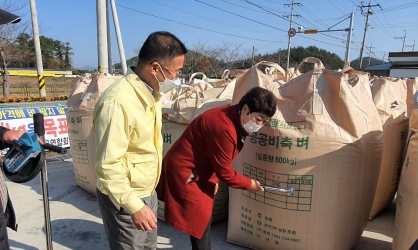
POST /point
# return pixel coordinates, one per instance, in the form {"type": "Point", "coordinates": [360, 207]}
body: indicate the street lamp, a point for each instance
{"type": "Point", "coordinates": [7, 17]}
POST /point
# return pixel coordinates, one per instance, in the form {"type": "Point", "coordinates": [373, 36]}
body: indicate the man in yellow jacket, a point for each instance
{"type": "Point", "coordinates": [127, 123]}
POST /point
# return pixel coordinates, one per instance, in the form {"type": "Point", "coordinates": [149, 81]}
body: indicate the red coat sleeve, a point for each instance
{"type": "Point", "coordinates": [222, 151]}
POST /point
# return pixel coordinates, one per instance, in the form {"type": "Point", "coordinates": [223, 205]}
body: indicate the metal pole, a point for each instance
{"type": "Point", "coordinates": [38, 54]}
{"type": "Point", "coordinates": [404, 38]}
{"type": "Point", "coordinates": [413, 46]}
{"type": "Point", "coordinates": [119, 37]}
{"type": "Point", "coordinates": [350, 32]}
{"type": "Point", "coordinates": [102, 36]}
{"type": "Point", "coordinates": [38, 123]}
{"type": "Point", "coordinates": [290, 38]}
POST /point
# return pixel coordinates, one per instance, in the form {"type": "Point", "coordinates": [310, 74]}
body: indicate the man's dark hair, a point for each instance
{"type": "Point", "coordinates": [161, 46]}
{"type": "Point", "coordinates": [259, 100]}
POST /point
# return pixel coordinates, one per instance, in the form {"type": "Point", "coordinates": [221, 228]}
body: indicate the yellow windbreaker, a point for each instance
{"type": "Point", "coordinates": [127, 123]}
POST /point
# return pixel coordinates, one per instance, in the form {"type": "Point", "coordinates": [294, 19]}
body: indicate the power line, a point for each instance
{"type": "Point", "coordinates": [398, 7]}
{"type": "Point", "coordinates": [241, 16]}
{"type": "Point", "coordinates": [388, 22]}
{"type": "Point", "coordinates": [171, 7]}
{"type": "Point", "coordinates": [192, 26]}
{"type": "Point", "coordinates": [322, 34]}
{"type": "Point", "coordinates": [344, 6]}
{"type": "Point", "coordinates": [335, 6]}
{"type": "Point", "coordinates": [323, 42]}
{"type": "Point", "coordinates": [261, 7]}
{"type": "Point", "coordinates": [403, 16]}
{"type": "Point", "coordinates": [375, 43]}
{"type": "Point", "coordinates": [398, 25]}
{"type": "Point", "coordinates": [332, 19]}
{"type": "Point", "coordinates": [242, 7]}
{"type": "Point", "coordinates": [264, 23]}
{"type": "Point", "coordinates": [348, 14]}
{"type": "Point", "coordinates": [266, 7]}
{"type": "Point", "coordinates": [384, 30]}
{"type": "Point", "coordinates": [311, 15]}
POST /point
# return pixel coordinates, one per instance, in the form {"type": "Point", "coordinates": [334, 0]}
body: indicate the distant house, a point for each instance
{"type": "Point", "coordinates": [379, 70]}
{"type": "Point", "coordinates": [404, 64]}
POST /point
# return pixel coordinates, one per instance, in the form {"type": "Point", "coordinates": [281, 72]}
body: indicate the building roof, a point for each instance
{"type": "Point", "coordinates": [403, 54]}
{"type": "Point", "coordinates": [384, 66]}
{"type": "Point", "coordinates": [403, 58]}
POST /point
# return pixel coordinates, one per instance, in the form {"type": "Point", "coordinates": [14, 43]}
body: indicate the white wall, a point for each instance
{"type": "Point", "coordinates": [404, 73]}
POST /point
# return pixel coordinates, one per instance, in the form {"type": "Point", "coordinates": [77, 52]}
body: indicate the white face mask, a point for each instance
{"type": "Point", "coordinates": [168, 84]}
{"type": "Point", "coordinates": [250, 126]}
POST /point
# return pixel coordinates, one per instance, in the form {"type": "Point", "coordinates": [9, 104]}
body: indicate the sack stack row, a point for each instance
{"type": "Point", "coordinates": [341, 145]}
{"type": "Point", "coordinates": [337, 140]}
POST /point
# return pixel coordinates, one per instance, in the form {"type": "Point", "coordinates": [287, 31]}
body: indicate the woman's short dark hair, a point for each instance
{"type": "Point", "coordinates": [161, 46]}
{"type": "Point", "coordinates": [259, 100]}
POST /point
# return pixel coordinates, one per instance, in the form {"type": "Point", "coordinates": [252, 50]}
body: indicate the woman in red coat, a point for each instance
{"type": "Point", "coordinates": [202, 156]}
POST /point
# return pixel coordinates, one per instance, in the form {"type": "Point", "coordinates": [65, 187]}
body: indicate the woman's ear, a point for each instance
{"type": "Point", "coordinates": [245, 109]}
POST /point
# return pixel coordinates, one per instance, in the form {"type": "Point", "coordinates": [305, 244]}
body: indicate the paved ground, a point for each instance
{"type": "Point", "coordinates": [76, 222]}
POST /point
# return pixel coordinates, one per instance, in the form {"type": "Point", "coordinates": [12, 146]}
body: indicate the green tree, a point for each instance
{"type": "Point", "coordinates": [55, 53]}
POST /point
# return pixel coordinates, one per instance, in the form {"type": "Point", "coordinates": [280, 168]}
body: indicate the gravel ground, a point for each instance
{"type": "Point", "coordinates": [58, 157]}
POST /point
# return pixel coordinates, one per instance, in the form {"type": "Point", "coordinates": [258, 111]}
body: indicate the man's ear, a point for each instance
{"type": "Point", "coordinates": [154, 68]}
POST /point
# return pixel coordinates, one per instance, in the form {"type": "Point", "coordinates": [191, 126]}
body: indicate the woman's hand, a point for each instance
{"type": "Point", "coordinates": [11, 135]}
{"type": "Point", "coordinates": [255, 186]}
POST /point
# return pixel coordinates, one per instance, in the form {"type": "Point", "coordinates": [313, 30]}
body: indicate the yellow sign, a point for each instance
{"type": "Point", "coordinates": [310, 31]}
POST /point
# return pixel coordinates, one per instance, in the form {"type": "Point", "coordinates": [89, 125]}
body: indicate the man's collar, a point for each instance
{"type": "Point", "coordinates": [146, 84]}
{"type": "Point", "coordinates": [141, 87]}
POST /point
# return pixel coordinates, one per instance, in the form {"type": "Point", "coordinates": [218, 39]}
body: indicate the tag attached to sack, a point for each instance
{"type": "Point", "coordinates": [416, 99]}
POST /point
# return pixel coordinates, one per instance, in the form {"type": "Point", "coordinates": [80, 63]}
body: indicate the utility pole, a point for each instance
{"type": "Point", "coordinates": [102, 45]}
{"type": "Point", "coordinates": [384, 55]}
{"type": "Point", "coordinates": [403, 38]}
{"type": "Point", "coordinates": [252, 57]}
{"type": "Point", "coordinates": [369, 12]}
{"type": "Point", "coordinates": [38, 54]}
{"type": "Point", "coordinates": [290, 38]}
{"type": "Point", "coordinates": [370, 52]}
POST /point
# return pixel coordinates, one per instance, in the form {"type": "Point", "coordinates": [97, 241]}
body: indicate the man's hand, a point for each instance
{"type": "Point", "coordinates": [255, 186]}
{"type": "Point", "coordinates": [145, 219]}
{"type": "Point", "coordinates": [11, 135]}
